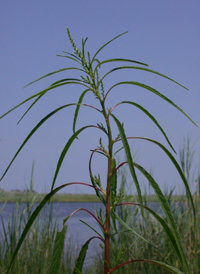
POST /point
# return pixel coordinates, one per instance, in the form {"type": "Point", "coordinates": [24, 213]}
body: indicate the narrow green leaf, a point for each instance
{"type": "Point", "coordinates": [118, 60]}
{"type": "Point", "coordinates": [31, 220]}
{"type": "Point", "coordinates": [20, 104]}
{"type": "Point", "coordinates": [129, 158]}
{"type": "Point", "coordinates": [81, 258]}
{"type": "Point", "coordinates": [53, 86]}
{"type": "Point", "coordinates": [178, 168]}
{"type": "Point", "coordinates": [77, 108]}
{"type": "Point", "coordinates": [155, 92]}
{"type": "Point", "coordinates": [73, 55]}
{"type": "Point", "coordinates": [131, 230]}
{"type": "Point", "coordinates": [32, 132]}
{"type": "Point", "coordinates": [92, 228]}
{"type": "Point", "coordinates": [35, 101]}
{"type": "Point", "coordinates": [52, 73]}
{"type": "Point", "coordinates": [166, 208]}
{"type": "Point", "coordinates": [64, 151]}
{"type": "Point", "coordinates": [165, 226]}
{"type": "Point", "coordinates": [58, 251]}
{"type": "Point", "coordinates": [171, 269]}
{"type": "Point", "coordinates": [113, 191]}
{"type": "Point", "coordinates": [152, 118]}
{"type": "Point", "coordinates": [69, 57]}
{"type": "Point", "coordinates": [107, 44]}
{"type": "Point", "coordinates": [145, 69]}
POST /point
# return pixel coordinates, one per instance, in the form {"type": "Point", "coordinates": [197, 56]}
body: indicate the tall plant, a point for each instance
{"type": "Point", "coordinates": [92, 80]}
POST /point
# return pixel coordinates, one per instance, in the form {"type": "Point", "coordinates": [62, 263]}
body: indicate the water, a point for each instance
{"type": "Point", "coordinates": [77, 232]}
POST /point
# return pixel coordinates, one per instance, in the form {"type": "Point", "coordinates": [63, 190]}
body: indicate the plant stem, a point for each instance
{"type": "Point", "coordinates": [108, 202]}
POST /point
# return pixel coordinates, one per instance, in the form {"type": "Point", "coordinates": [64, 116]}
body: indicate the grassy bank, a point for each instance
{"type": "Point", "coordinates": [15, 196]}
{"type": "Point", "coordinates": [26, 196]}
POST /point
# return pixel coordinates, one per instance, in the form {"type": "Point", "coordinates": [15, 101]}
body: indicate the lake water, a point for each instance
{"type": "Point", "coordinates": [77, 232]}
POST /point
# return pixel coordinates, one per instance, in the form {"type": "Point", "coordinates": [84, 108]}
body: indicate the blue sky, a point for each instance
{"type": "Point", "coordinates": [163, 34]}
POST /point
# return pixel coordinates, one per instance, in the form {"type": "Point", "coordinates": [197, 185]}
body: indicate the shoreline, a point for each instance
{"type": "Point", "coordinates": [27, 196]}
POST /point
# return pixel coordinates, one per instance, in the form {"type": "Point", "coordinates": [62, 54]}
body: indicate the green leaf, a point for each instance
{"type": "Point", "coordinates": [69, 57]}
{"type": "Point", "coordinates": [52, 73]}
{"type": "Point", "coordinates": [32, 132]}
{"type": "Point", "coordinates": [41, 93]}
{"type": "Point", "coordinates": [166, 208]}
{"type": "Point", "coordinates": [113, 191]}
{"type": "Point", "coordinates": [118, 60]}
{"type": "Point", "coordinates": [155, 92]}
{"type": "Point", "coordinates": [58, 251]}
{"type": "Point", "coordinates": [145, 69]}
{"type": "Point", "coordinates": [131, 230]}
{"type": "Point", "coordinates": [81, 258]}
{"type": "Point", "coordinates": [129, 158]}
{"type": "Point", "coordinates": [64, 151]}
{"type": "Point", "coordinates": [152, 118]}
{"type": "Point", "coordinates": [31, 220]}
{"type": "Point", "coordinates": [178, 168]}
{"type": "Point", "coordinates": [92, 228]}
{"type": "Point", "coordinates": [165, 226]}
{"type": "Point", "coordinates": [77, 108]}
{"type": "Point", "coordinates": [107, 44]}
{"type": "Point", "coordinates": [171, 269]}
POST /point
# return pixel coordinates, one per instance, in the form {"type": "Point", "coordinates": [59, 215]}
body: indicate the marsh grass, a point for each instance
{"type": "Point", "coordinates": [36, 252]}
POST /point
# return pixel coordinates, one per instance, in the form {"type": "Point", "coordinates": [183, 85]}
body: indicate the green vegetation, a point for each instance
{"type": "Point", "coordinates": [23, 197]}
{"type": "Point", "coordinates": [115, 224]}
{"type": "Point", "coordinates": [15, 196]}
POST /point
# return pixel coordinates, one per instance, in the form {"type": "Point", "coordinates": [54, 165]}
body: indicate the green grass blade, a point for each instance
{"type": "Point", "coordinates": [169, 268]}
{"type": "Point", "coordinates": [132, 230]}
{"type": "Point", "coordinates": [155, 92]}
{"type": "Point", "coordinates": [165, 226]}
{"type": "Point", "coordinates": [32, 132]}
{"type": "Point", "coordinates": [144, 69]}
{"type": "Point", "coordinates": [152, 118]}
{"type": "Point", "coordinates": [166, 209]}
{"type": "Point", "coordinates": [30, 222]}
{"type": "Point", "coordinates": [58, 251]}
{"type": "Point", "coordinates": [129, 158]}
{"type": "Point", "coordinates": [77, 108]}
{"type": "Point", "coordinates": [52, 73]}
{"type": "Point", "coordinates": [107, 44]}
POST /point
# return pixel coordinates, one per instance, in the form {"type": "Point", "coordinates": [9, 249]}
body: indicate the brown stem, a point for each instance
{"type": "Point", "coordinates": [108, 202]}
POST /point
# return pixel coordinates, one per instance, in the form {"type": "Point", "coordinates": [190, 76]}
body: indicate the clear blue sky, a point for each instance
{"type": "Point", "coordinates": [163, 34]}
